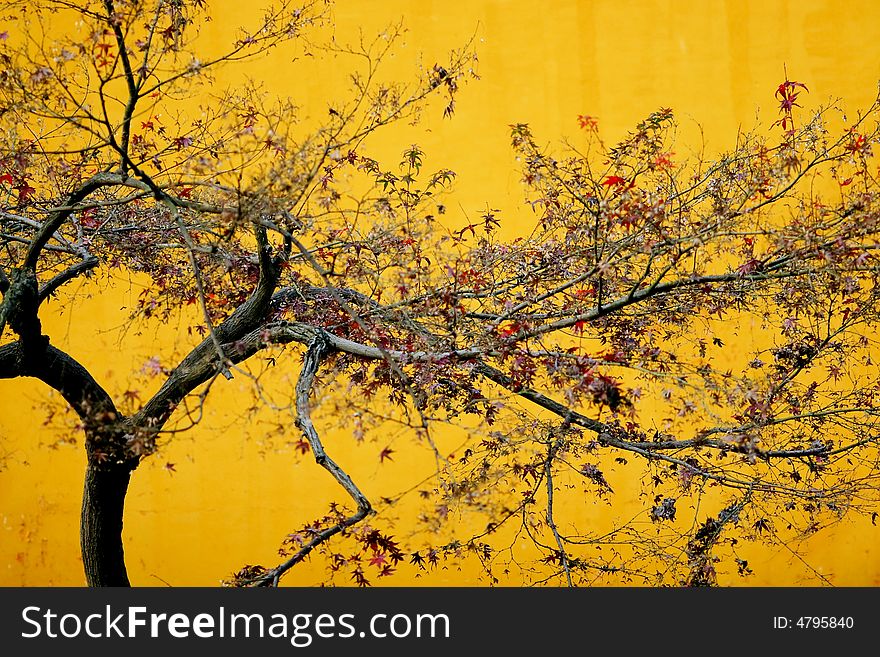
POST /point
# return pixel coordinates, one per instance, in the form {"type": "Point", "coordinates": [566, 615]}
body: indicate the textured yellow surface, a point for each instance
{"type": "Point", "coordinates": [234, 494]}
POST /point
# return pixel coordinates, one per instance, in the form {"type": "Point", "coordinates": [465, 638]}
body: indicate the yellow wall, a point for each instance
{"type": "Point", "coordinates": [235, 494]}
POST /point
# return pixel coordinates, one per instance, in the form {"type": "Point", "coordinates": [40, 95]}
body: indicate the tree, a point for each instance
{"type": "Point", "coordinates": [586, 345]}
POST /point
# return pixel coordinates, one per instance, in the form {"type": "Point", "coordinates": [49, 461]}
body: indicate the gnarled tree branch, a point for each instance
{"type": "Point", "coordinates": [63, 373]}
{"type": "Point", "coordinates": [319, 347]}
{"type": "Point", "coordinates": [68, 274]}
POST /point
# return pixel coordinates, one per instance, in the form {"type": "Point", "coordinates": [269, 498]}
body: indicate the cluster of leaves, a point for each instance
{"type": "Point", "coordinates": [636, 261]}
{"type": "Point", "coordinates": [371, 553]}
{"type": "Point", "coordinates": [276, 225]}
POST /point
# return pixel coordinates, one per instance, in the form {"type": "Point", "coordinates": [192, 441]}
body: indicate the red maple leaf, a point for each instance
{"type": "Point", "coordinates": [89, 218]}
{"type": "Point", "coordinates": [24, 192]}
{"type": "Point", "coordinates": [748, 267]}
{"type": "Point", "coordinates": [385, 454]}
{"type": "Point", "coordinates": [510, 329]}
{"type": "Point", "coordinates": [787, 95]}
{"type": "Point", "coordinates": [613, 180]}
{"type": "Point", "coordinates": [588, 122]}
{"type": "Point", "coordinates": [183, 142]}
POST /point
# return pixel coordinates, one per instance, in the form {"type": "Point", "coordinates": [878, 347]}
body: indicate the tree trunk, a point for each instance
{"type": "Point", "coordinates": [101, 525]}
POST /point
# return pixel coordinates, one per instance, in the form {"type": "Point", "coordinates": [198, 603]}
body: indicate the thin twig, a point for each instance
{"type": "Point", "coordinates": [548, 472]}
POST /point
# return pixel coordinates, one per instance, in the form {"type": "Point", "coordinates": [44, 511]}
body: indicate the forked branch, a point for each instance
{"type": "Point", "coordinates": [317, 350]}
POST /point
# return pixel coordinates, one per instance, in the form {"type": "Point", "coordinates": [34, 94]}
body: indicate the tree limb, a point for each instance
{"type": "Point", "coordinates": [68, 274]}
{"type": "Point", "coordinates": [319, 347]}
{"type": "Point", "coordinates": [62, 373]}
{"type": "Point", "coordinates": [201, 363]}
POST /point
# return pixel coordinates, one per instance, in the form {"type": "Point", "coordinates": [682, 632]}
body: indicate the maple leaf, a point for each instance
{"type": "Point", "coordinates": [89, 218]}
{"type": "Point", "coordinates": [591, 471]}
{"type": "Point", "coordinates": [835, 372]}
{"type": "Point", "coordinates": [665, 510]}
{"type": "Point", "coordinates": [170, 467]}
{"type": "Point", "coordinates": [152, 367]}
{"type": "Point", "coordinates": [858, 144]}
{"type": "Point", "coordinates": [664, 161]}
{"type": "Point", "coordinates": [614, 357]}
{"type": "Point", "coordinates": [510, 329]}
{"type": "Point", "coordinates": [588, 122]}
{"type": "Point", "coordinates": [469, 227]}
{"type": "Point", "coordinates": [749, 267]}
{"type": "Point", "coordinates": [762, 525]}
{"type": "Point", "coordinates": [25, 191]}
{"type": "Point", "coordinates": [378, 559]}
{"type": "Point", "coordinates": [611, 181]}
{"type": "Point", "coordinates": [385, 454]}
{"type": "Point", "coordinates": [418, 560]}
{"type": "Point", "coordinates": [789, 324]}
{"type": "Point", "coordinates": [490, 221]}
{"type": "Point", "coordinates": [371, 539]}
{"type": "Point", "coordinates": [787, 95]}
{"type": "Point", "coordinates": [358, 576]}
{"type": "Point", "coordinates": [6, 178]}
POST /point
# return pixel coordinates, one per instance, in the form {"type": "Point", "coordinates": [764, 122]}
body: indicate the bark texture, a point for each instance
{"type": "Point", "coordinates": [101, 525]}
